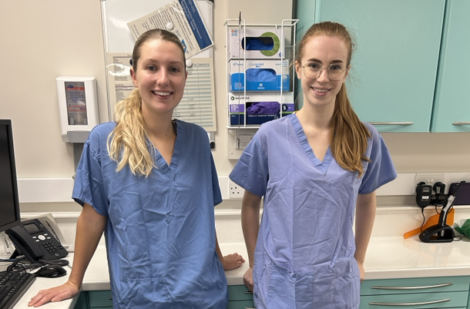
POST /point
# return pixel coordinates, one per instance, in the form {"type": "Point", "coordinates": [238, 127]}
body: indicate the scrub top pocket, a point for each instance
{"type": "Point", "coordinates": [347, 284]}
{"type": "Point", "coordinates": [129, 222]}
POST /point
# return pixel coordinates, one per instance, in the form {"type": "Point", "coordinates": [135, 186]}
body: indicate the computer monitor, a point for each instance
{"type": "Point", "coordinates": [9, 202]}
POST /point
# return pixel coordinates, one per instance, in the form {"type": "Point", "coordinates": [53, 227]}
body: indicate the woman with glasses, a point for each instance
{"type": "Point", "coordinates": [315, 169]}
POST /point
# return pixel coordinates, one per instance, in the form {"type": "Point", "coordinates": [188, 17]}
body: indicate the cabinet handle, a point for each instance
{"type": "Point", "coordinates": [392, 123]}
{"type": "Point", "coordinates": [249, 292]}
{"type": "Point", "coordinates": [411, 304]}
{"type": "Point", "coordinates": [410, 287]}
{"type": "Point", "coordinates": [460, 123]}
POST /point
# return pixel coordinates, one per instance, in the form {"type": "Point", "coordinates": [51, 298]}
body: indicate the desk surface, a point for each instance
{"type": "Point", "coordinates": [387, 257]}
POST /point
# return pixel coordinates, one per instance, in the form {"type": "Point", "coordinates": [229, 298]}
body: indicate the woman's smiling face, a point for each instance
{"type": "Point", "coordinates": [160, 76]}
{"type": "Point", "coordinates": [322, 51]}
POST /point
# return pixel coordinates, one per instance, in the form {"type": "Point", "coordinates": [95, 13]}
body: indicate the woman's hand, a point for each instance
{"type": "Point", "coordinates": [233, 261]}
{"type": "Point", "coordinates": [248, 279]}
{"type": "Point", "coordinates": [361, 270]}
{"type": "Point", "coordinates": [58, 293]}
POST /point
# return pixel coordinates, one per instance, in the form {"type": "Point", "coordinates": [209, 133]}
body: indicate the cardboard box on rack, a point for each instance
{"type": "Point", "coordinates": [261, 75]}
{"type": "Point", "coordinates": [259, 107]}
{"type": "Point", "coordinates": [260, 43]}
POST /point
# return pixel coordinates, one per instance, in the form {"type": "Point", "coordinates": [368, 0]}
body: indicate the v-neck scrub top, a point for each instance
{"type": "Point", "coordinates": [304, 256]}
{"type": "Point", "coordinates": [160, 232]}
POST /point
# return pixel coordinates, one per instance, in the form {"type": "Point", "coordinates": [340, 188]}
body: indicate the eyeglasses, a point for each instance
{"type": "Point", "coordinates": [313, 70]}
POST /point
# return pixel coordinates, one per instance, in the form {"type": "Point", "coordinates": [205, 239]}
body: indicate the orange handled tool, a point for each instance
{"type": "Point", "coordinates": [433, 220]}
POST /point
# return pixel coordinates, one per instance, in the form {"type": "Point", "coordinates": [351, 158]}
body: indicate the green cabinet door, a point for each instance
{"type": "Point", "coordinates": [242, 304]}
{"type": "Point", "coordinates": [82, 302]}
{"type": "Point", "coordinates": [394, 66]}
{"type": "Point", "coordinates": [419, 300]}
{"type": "Point", "coordinates": [452, 101]}
{"type": "Point", "coordinates": [239, 297]}
{"type": "Point", "coordinates": [432, 292]}
{"type": "Point", "coordinates": [100, 299]}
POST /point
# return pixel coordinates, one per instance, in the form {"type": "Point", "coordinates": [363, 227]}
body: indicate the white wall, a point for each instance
{"type": "Point", "coordinates": [50, 38]}
{"type": "Point", "coordinates": [41, 40]}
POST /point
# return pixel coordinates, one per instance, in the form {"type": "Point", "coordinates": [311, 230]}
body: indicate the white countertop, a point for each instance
{"type": "Point", "coordinates": [395, 257]}
{"type": "Point", "coordinates": [387, 257]}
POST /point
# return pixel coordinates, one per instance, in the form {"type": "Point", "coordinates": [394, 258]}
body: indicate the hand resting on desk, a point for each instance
{"type": "Point", "coordinates": [233, 261]}
{"type": "Point", "coordinates": [58, 293]}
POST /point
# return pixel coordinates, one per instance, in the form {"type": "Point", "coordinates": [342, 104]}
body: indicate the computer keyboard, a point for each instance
{"type": "Point", "coordinates": [13, 285]}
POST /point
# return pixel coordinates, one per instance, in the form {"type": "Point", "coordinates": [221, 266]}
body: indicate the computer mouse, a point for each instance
{"type": "Point", "coordinates": [51, 271]}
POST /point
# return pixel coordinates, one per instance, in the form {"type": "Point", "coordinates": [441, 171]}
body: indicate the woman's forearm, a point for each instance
{"type": "Point", "coordinates": [250, 222]}
{"type": "Point", "coordinates": [365, 217]}
{"type": "Point", "coordinates": [90, 227]}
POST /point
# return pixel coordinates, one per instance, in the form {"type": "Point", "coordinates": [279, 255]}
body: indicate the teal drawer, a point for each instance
{"type": "Point", "coordinates": [421, 300]}
{"type": "Point", "coordinates": [82, 301]}
{"type": "Point", "coordinates": [239, 292]}
{"type": "Point", "coordinates": [100, 299]}
{"type": "Point", "coordinates": [415, 285]}
{"type": "Point", "coordinates": [241, 304]}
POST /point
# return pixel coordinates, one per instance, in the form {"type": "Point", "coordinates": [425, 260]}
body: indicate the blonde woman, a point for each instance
{"type": "Point", "coordinates": [315, 168]}
{"type": "Point", "coordinates": [149, 182]}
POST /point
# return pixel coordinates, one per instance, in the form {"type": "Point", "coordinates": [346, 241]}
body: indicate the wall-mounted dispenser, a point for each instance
{"type": "Point", "coordinates": [78, 107]}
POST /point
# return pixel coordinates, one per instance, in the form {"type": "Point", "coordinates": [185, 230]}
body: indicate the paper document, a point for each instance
{"type": "Point", "coordinates": [119, 77]}
{"type": "Point", "coordinates": [198, 103]}
{"type": "Point", "coordinates": [6, 246]}
{"type": "Point", "coordinates": [185, 20]}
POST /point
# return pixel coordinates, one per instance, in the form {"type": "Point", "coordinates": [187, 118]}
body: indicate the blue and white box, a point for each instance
{"type": "Point", "coordinates": [259, 108]}
{"type": "Point", "coordinates": [261, 75]}
{"type": "Point", "coordinates": [259, 43]}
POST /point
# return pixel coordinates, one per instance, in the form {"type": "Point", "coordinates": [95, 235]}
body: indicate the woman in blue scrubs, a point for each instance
{"type": "Point", "coordinates": [149, 182]}
{"type": "Point", "coordinates": [316, 169]}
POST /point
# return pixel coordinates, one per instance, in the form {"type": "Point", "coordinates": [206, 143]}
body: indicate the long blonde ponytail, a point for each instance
{"type": "Point", "coordinates": [127, 144]}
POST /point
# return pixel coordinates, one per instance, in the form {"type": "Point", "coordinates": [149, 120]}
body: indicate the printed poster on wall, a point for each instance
{"type": "Point", "coordinates": [183, 18]}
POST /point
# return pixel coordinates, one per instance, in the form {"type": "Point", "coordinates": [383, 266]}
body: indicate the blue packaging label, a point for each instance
{"type": "Point", "coordinates": [196, 23]}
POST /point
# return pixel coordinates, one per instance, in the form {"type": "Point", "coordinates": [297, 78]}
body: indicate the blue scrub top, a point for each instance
{"type": "Point", "coordinates": [304, 256]}
{"type": "Point", "coordinates": [160, 233]}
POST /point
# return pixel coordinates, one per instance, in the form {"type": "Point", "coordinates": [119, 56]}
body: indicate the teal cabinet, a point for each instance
{"type": "Point", "coordinates": [239, 297]}
{"type": "Point", "coordinates": [436, 292]}
{"type": "Point", "coordinates": [452, 102]}
{"type": "Point", "coordinates": [411, 65]}
{"type": "Point", "coordinates": [82, 302]}
{"type": "Point", "coordinates": [394, 66]}
{"type": "Point", "coordinates": [100, 299]}
{"type": "Point", "coordinates": [94, 299]}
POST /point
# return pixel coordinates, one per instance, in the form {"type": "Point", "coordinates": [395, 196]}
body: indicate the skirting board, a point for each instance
{"type": "Point", "coordinates": [47, 190]}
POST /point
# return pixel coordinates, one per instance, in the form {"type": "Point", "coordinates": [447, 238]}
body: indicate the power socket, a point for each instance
{"type": "Point", "coordinates": [235, 191]}
{"type": "Point", "coordinates": [430, 178]}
